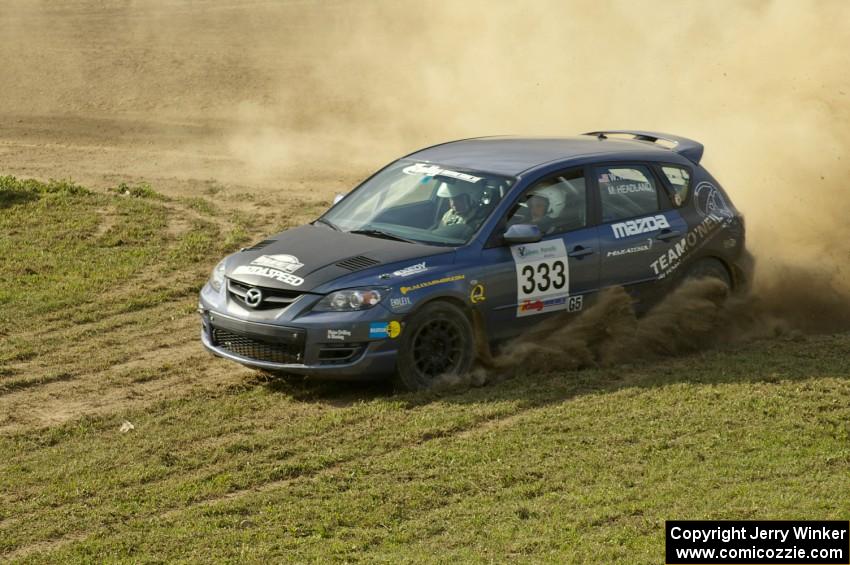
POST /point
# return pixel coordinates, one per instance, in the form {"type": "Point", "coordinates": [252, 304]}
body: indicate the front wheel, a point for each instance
{"type": "Point", "coordinates": [437, 342]}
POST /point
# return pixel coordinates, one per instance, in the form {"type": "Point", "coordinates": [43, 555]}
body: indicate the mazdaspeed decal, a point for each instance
{"type": "Point", "coordinates": [411, 270]}
{"type": "Point", "coordinates": [426, 284]}
{"type": "Point", "coordinates": [287, 263]}
{"type": "Point", "coordinates": [542, 273]}
{"type": "Point", "coordinates": [639, 226]}
{"type": "Point", "coordinates": [275, 274]}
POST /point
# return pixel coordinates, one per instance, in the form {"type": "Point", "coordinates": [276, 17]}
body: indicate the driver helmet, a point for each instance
{"type": "Point", "coordinates": [457, 190]}
{"type": "Point", "coordinates": [454, 190]}
{"type": "Point", "coordinates": [554, 197]}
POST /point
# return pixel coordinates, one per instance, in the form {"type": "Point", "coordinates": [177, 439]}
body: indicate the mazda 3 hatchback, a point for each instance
{"type": "Point", "coordinates": [472, 242]}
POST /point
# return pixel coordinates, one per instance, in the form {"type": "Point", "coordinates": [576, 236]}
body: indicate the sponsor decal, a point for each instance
{"type": "Point", "coordinates": [542, 273]}
{"type": "Point", "coordinates": [426, 284]}
{"type": "Point", "coordinates": [629, 187]}
{"type": "Point", "coordinates": [385, 329]}
{"type": "Point", "coordinates": [400, 302]}
{"type": "Point", "coordinates": [286, 263]}
{"type": "Point", "coordinates": [639, 226]}
{"type": "Point", "coordinates": [633, 249]}
{"type": "Point", "coordinates": [276, 274]}
{"type": "Point", "coordinates": [709, 201]}
{"type": "Point", "coordinates": [670, 260]}
{"type": "Point", "coordinates": [568, 303]}
{"type": "Point", "coordinates": [340, 335]}
{"type": "Point", "coordinates": [476, 294]}
{"type": "Point", "coordinates": [434, 170]}
{"type": "Point", "coordinates": [411, 270]}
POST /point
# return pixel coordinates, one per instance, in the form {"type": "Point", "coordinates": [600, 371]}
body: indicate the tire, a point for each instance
{"type": "Point", "coordinates": [437, 341]}
{"type": "Point", "coordinates": [710, 268]}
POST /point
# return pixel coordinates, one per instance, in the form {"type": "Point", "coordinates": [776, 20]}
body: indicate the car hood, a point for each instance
{"type": "Point", "coordinates": [307, 257]}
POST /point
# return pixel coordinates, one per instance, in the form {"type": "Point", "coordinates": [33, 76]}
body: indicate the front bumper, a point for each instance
{"type": "Point", "coordinates": [330, 345]}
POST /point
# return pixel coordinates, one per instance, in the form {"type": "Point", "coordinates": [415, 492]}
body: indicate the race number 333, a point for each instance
{"type": "Point", "coordinates": [542, 269]}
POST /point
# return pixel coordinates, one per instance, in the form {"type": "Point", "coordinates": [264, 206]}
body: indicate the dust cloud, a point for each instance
{"type": "Point", "coordinates": [762, 84]}
{"type": "Point", "coordinates": [291, 88]}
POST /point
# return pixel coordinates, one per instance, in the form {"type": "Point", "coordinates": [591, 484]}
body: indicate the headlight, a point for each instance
{"type": "Point", "coordinates": [348, 300]}
{"type": "Point", "coordinates": [217, 277]}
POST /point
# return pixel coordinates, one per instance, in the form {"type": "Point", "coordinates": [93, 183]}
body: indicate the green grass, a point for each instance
{"type": "Point", "coordinates": [580, 466]}
{"type": "Point", "coordinates": [66, 245]}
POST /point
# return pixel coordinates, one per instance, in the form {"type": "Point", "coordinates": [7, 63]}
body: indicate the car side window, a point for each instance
{"type": "Point", "coordinates": [680, 181]}
{"type": "Point", "coordinates": [626, 192]}
{"type": "Point", "coordinates": [555, 205]}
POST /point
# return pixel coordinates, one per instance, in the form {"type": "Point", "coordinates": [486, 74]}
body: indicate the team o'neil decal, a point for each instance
{"type": "Point", "coordinates": [716, 214]}
{"type": "Point", "coordinates": [278, 267]}
{"type": "Point", "coordinates": [543, 278]}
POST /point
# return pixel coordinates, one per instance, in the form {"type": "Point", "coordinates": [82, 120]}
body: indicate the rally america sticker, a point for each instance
{"type": "Point", "coordinates": [542, 277]}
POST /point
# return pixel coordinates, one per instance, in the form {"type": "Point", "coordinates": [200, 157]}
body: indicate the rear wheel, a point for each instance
{"type": "Point", "coordinates": [710, 268]}
{"type": "Point", "coordinates": [437, 342]}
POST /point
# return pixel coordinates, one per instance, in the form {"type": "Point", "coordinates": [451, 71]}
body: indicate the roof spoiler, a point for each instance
{"type": "Point", "coordinates": [688, 148]}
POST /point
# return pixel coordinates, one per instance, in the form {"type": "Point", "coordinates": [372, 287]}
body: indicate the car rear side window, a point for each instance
{"type": "Point", "coordinates": [626, 192]}
{"type": "Point", "coordinates": [680, 181]}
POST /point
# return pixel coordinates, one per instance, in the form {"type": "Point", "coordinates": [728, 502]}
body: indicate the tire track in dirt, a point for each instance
{"type": "Point", "coordinates": [484, 423]}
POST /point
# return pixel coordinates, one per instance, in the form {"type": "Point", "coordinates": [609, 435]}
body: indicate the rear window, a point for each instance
{"type": "Point", "coordinates": [680, 181]}
{"type": "Point", "coordinates": [626, 192]}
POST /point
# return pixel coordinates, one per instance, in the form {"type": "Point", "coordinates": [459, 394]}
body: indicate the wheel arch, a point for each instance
{"type": "Point", "coordinates": [733, 276]}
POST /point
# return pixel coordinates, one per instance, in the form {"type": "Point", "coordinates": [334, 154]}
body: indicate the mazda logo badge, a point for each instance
{"type": "Point", "coordinates": [253, 297]}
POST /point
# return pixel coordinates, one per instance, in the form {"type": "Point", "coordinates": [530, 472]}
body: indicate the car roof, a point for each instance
{"type": "Point", "coordinates": [508, 155]}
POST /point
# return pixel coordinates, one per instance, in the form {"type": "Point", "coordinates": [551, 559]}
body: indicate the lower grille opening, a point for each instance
{"type": "Point", "coordinates": [340, 354]}
{"type": "Point", "coordinates": [271, 351]}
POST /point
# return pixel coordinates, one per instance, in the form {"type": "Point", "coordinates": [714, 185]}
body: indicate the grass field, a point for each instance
{"type": "Point", "coordinates": [97, 327]}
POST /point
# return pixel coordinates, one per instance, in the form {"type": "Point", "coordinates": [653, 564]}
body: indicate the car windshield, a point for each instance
{"type": "Point", "coordinates": [420, 202]}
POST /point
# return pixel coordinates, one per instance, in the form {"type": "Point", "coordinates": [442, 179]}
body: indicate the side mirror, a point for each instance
{"type": "Point", "coordinates": [337, 198]}
{"type": "Point", "coordinates": [523, 233]}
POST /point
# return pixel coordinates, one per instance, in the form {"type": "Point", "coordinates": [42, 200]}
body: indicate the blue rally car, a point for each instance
{"type": "Point", "coordinates": [472, 242]}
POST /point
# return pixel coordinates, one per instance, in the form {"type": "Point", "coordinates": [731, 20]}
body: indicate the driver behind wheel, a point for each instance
{"type": "Point", "coordinates": [460, 204]}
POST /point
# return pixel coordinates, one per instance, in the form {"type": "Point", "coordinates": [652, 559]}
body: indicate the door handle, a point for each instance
{"type": "Point", "coordinates": [668, 234]}
{"type": "Point", "coordinates": [578, 252]}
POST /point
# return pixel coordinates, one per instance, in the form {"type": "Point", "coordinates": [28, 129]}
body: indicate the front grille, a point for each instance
{"type": "Point", "coordinates": [339, 353]}
{"type": "Point", "coordinates": [272, 297]}
{"type": "Point", "coordinates": [357, 263]}
{"type": "Point", "coordinates": [272, 351]}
